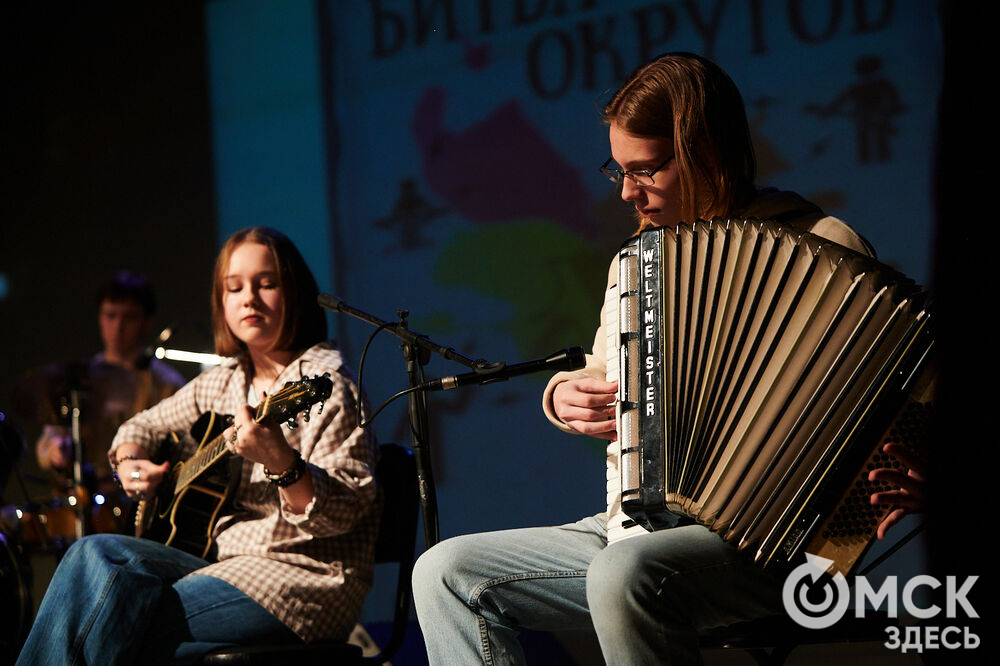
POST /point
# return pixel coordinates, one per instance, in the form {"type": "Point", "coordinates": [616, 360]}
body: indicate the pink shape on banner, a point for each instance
{"type": "Point", "coordinates": [499, 169]}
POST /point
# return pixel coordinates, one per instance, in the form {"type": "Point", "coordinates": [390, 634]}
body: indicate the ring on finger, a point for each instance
{"type": "Point", "coordinates": [136, 474]}
{"type": "Point", "coordinates": [236, 430]}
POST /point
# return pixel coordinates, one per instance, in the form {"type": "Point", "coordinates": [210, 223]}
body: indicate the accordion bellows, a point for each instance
{"type": "Point", "coordinates": [761, 367]}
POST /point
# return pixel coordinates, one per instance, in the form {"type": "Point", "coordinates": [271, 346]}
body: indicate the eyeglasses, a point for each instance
{"type": "Point", "coordinates": [641, 177]}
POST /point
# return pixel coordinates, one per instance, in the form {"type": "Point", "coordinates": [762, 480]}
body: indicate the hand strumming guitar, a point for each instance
{"type": "Point", "coordinates": [138, 475]}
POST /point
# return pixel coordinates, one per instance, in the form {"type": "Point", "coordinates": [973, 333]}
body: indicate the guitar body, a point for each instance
{"type": "Point", "coordinates": [185, 518]}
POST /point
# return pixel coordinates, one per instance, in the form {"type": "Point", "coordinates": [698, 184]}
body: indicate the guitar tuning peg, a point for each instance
{"type": "Point", "coordinates": [292, 424]}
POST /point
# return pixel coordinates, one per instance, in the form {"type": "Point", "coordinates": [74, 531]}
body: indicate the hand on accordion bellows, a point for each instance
{"type": "Point", "coordinates": [909, 496]}
{"type": "Point", "coordinates": [587, 406]}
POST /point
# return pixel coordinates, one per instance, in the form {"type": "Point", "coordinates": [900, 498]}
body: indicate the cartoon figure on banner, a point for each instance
{"type": "Point", "coordinates": [872, 103]}
{"type": "Point", "coordinates": [410, 214]}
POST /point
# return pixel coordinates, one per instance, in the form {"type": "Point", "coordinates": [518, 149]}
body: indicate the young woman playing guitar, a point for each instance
{"type": "Point", "coordinates": [294, 553]}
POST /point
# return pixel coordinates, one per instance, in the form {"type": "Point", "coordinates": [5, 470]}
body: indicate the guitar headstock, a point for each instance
{"type": "Point", "coordinates": [294, 397]}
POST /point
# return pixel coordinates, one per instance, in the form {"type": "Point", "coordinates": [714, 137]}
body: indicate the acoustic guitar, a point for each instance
{"type": "Point", "coordinates": [196, 491]}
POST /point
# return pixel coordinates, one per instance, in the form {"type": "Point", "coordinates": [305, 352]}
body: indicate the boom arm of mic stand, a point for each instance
{"type": "Point", "coordinates": [400, 330]}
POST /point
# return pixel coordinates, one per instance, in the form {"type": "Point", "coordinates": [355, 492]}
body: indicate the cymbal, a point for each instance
{"type": "Point", "coordinates": [44, 394]}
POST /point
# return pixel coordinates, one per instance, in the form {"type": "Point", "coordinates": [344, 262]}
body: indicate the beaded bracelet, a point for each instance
{"type": "Point", "coordinates": [290, 475]}
{"type": "Point", "coordinates": [114, 467]}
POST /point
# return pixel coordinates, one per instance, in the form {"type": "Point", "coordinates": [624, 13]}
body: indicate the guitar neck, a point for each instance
{"type": "Point", "coordinates": [212, 451]}
{"type": "Point", "coordinates": [206, 456]}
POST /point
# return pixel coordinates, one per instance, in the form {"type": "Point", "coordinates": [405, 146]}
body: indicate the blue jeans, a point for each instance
{"type": "Point", "coordinates": [120, 600]}
{"type": "Point", "coordinates": [646, 596]}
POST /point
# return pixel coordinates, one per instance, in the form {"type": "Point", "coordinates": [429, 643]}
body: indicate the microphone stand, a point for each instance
{"type": "Point", "coordinates": [77, 460]}
{"type": "Point", "coordinates": [71, 407]}
{"type": "Point", "coordinates": [417, 349]}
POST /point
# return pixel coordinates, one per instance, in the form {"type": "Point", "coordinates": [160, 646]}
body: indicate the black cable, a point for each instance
{"type": "Point", "coordinates": [361, 369]}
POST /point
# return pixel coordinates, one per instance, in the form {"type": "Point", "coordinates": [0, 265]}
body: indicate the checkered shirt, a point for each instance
{"type": "Point", "coordinates": [309, 570]}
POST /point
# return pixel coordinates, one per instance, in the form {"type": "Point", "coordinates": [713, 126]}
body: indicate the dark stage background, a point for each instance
{"type": "Point", "coordinates": [106, 142]}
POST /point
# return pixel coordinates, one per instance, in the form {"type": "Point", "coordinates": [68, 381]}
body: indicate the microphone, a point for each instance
{"type": "Point", "coordinates": [571, 358]}
{"type": "Point", "coordinates": [330, 302]}
{"type": "Point", "coordinates": [146, 357]}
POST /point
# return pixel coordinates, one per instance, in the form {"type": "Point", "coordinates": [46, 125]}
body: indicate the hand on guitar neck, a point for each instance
{"type": "Point", "coordinates": [263, 442]}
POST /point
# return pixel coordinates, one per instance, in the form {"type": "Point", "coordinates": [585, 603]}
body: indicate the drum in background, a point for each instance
{"type": "Point", "coordinates": [39, 525]}
{"type": "Point", "coordinates": [52, 525]}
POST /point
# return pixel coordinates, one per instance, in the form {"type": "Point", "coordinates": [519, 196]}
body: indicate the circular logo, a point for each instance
{"type": "Point", "coordinates": [812, 598]}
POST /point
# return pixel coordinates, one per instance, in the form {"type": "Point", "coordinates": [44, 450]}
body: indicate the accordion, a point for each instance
{"type": "Point", "coordinates": [760, 368]}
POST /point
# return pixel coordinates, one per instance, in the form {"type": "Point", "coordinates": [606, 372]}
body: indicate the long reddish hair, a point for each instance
{"type": "Point", "coordinates": [691, 101]}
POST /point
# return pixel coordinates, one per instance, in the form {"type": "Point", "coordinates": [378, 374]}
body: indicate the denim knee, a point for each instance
{"type": "Point", "coordinates": [618, 577]}
{"type": "Point", "coordinates": [99, 546]}
{"type": "Point", "coordinates": [434, 569]}
{"type": "Point", "coordinates": [426, 572]}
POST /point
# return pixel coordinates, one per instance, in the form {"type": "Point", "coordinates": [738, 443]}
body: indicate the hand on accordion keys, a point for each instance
{"type": "Point", "coordinates": [587, 406]}
{"type": "Point", "coordinates": [909, 495]}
